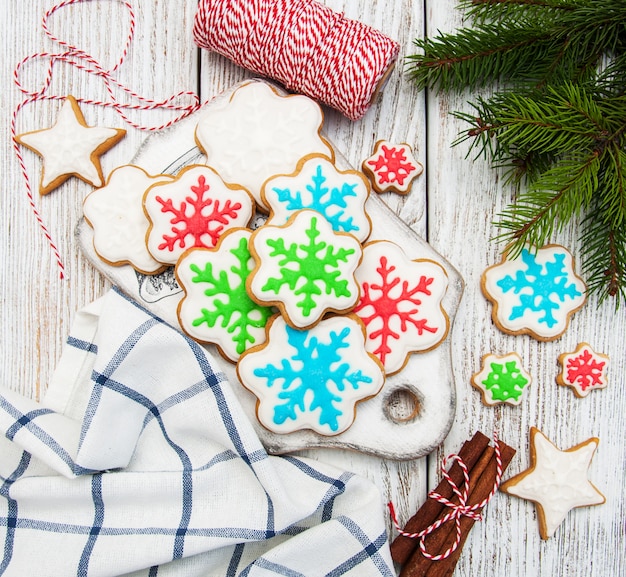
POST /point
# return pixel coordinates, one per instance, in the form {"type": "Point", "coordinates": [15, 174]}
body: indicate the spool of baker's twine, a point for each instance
{"type": "Point", "coordinates": [305, 46]}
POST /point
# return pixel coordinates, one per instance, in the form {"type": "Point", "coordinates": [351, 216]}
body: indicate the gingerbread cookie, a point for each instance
{"type": "Point", "coordinates": [584, 370]}
{"type": "Point", "coordinates": [557, 481]}
{"type": "Point", "coordinates": [259, 133]}
{"type": "Point", "coordinates": [339, 195]}
{"type": "Point", "coordinates": [400, 303]}
{"type": "Point", "coordinates": [216, 307]}
{"type": "Point", "coordinates": [311, 379]}
{"type": "Point", "coordinates": [70, 148]}
{"type": "Point", "coordinates": [304, 268]}
{"type": "Point", "coordinates": [194, 210]}
{"type": "Point", "coordinates": [392, 167]}
{"type": "Point", "coordinates": [115, 212]}
{"type": "Point", "coordinates": [502, 379]}
{"type": "Point", "coordinates": [535, 293]}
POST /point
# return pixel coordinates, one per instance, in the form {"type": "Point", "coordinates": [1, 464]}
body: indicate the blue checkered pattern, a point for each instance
{"type": "Point", "coordinates": [140, 461]}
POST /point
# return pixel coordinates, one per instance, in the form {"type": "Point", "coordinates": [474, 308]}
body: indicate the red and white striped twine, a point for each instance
{"type": "Point", "coordinates": [81, 60]}
{"type": "Point", "coordinates": [457, 510]}
{"type": "Point", "coordinates": [304, 45]}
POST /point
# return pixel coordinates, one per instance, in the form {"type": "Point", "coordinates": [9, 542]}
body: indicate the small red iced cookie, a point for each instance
{"type": "Point", "coordinates": [584, 370]}
{"type": "Point", "coordinates": [71, 148]}
{"type": "Point", "coordinates": [400, 303]}
{"type": "Point", "coordinates": [194, 210]}
{"type": "Point", "coordinates": [304, 268]}
{"type": "Point", "coordinates": [311, 379]}
{"type": "Point", "coordinates": [392, 167]}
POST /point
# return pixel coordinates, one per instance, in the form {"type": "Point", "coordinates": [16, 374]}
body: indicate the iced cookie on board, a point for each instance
{"type": "Point", "coordinates": [557, 481]}
{"type": "Point", "coordinates": [311, 379]}
{"type": "Point", "coordinates": [502, 379]}
{"type": "Point", "coordinates": [193, 210]}
{"type": "Point", "coordinates": [534, 293]}
{"type": "Point", "coordinates": [304, 268]}
{"type": "Point", "coordinates": [583, 370]}
{"type": "Point", "coordinates": [115, 212]}
{"type": "Point", "coordinates": [216, 307]}
{"type": "Point", "coordinates": [392, 167]}
{"type": "Point", "coordinates": [70, 148]}
{"type": "Point", "coordinates": [258, 133]}
{"type": "Point", "coordinates": [400, 303]}
{"type": "Point", "coordinates": [338, 195]}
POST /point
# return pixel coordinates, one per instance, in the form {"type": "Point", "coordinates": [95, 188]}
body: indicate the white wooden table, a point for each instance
{"type": "Point", "coordinates": [452, 206]}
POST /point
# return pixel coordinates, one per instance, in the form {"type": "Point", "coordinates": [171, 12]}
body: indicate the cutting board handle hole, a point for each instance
{"type": "Point", "coordinates": [402, 405]}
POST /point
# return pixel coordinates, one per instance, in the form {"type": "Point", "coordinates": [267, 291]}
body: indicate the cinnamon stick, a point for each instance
{"type": "Point", "coordinates": [403, 547]}
{"type": "Point", "coordinates": [480, 487]}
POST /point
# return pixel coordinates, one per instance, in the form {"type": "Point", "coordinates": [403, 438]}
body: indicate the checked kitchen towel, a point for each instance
{"type": "Point", "coordinates": [140, 461]}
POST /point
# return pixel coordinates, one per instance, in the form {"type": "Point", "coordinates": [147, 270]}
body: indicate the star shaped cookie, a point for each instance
{"type": "Point", "coordinates": [70, 148]}
{"type": "Point", "coordinates": [556, 482]}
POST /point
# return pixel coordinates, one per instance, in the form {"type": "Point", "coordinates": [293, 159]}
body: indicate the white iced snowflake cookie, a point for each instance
{"type": "Point", "coordinates": [70, 148]}
{"type": "Point", "coordinates": [317, 184]}
{"type": "Point", "coordinates": [557, 481]}
{"type": "Point", "coordinates": [535, 293]}
{"type": "Point", "coordinates": [502, 379]}
{"type": "Point", "coordinates": [304, 268]}
{"type": "Point", "coordinates": [400, 303]}
{"type": "Point", "coordinates": [216, 307]}
{"type": "Point", "coordinates": [258, 133]}
{"type": "Point", "coordinates": [583, 370]}
{"type": "Point", "coordinates": [392, 167]}
{"type": "Point", "coordinates": [311, 379]}
{"type": "Point", "coordinates": [115, 212]}
{"type": "Point", "coordinates": [193, 210]}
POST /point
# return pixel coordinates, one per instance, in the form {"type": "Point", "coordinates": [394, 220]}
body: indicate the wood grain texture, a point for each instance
{"type": "Point", "coordinates": [452, 205]}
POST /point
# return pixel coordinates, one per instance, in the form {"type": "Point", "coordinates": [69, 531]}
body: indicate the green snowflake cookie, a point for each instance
{"type": "Point", "coordinates": [305, 268]}
{"type": "Point", "coordinates": [502, 379]}
{"type": "Point", "coordinates": [216, 307]}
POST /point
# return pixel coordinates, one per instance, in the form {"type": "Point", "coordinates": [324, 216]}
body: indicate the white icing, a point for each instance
{"type": "Point", "coordinates": [479, 378]}
{"type": "Point", "coordinates": [392, 167]}
{"type": "Point", "coordinates": [222, 261]}
{"type": "Point", "coordinates": [558, 481]}
{"type": "Point", "coordinates": [533, 321]}
{"type": "Point", "coordinates": [294, 235]}
{"type": "Point", "coordinates": [181, 195]}
{"type": "Point", "coordinates": [116, 214]}
{"type": "Point", "coordinates": [68, 147]}
{"type": "Point", "coordinates": [580, 385]}
{"type": "Point", "coordinates": [407, 274]}
{"type": "Point", "coordinates": [280, 352]}
{"type": "Point", "coordinates": [258, 134]}
{"type": "Point", "coordinates": [317, 184]}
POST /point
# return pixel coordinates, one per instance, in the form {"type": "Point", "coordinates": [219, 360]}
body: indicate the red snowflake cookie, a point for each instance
{"type": "Point", "coordinates": [584, 370]}
{"type": "Point", "coordinates": [193, 211]}
{"type": "Point", "coordinates": [400, 303]}
{"type": "Point", "coordinates": [391, 167]}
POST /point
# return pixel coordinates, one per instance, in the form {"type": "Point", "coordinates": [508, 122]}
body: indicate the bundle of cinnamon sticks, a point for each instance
{"type": "Point", "coordinates": [481, 462]}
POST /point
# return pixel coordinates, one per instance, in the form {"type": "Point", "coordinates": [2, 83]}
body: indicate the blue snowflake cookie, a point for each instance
{"type": "Point", "coordinates": [340, 196]}
{"type": "Point", "coordinates": [311, 379]}
{"type": "Point", "coordinates": [535, 293]}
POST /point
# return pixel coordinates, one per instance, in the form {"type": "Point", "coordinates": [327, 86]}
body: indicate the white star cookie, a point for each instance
{"type": "Point", "coordinates": [556, 482]}
{"type": "Point", "coordinates": [70, 148]}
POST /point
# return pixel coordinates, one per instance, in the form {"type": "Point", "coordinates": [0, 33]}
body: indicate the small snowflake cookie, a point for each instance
{"type": "Point", "coordinates": [340, 196]}
{"type": "Point", "coordinates": [535, 293]}
{"type": "Point", "coordinates": [115, 212]}
{"type": "Point", "coordinates": [400, 303]}
{"type": "Point", "coordinates": [557, 481]}
{"type": "Point", "coordinates": [502, 379]}
{"type": "Point", "coordinates": [584, 370]}
{"type": "Point", "coordinates": [216, 307]}
{"type": "Point", "coordinates": [311, 379]}
{"type": "Point", "coordinates": [194, 210]}
{"type": "Point", "coordinates": [70, 148]}
{"type": "Point", "coordinates": [392, 167]}
{"type": "Point", "coordinates": [304, 268]}
{"type": "Point", "coordinates": [258, 133]}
